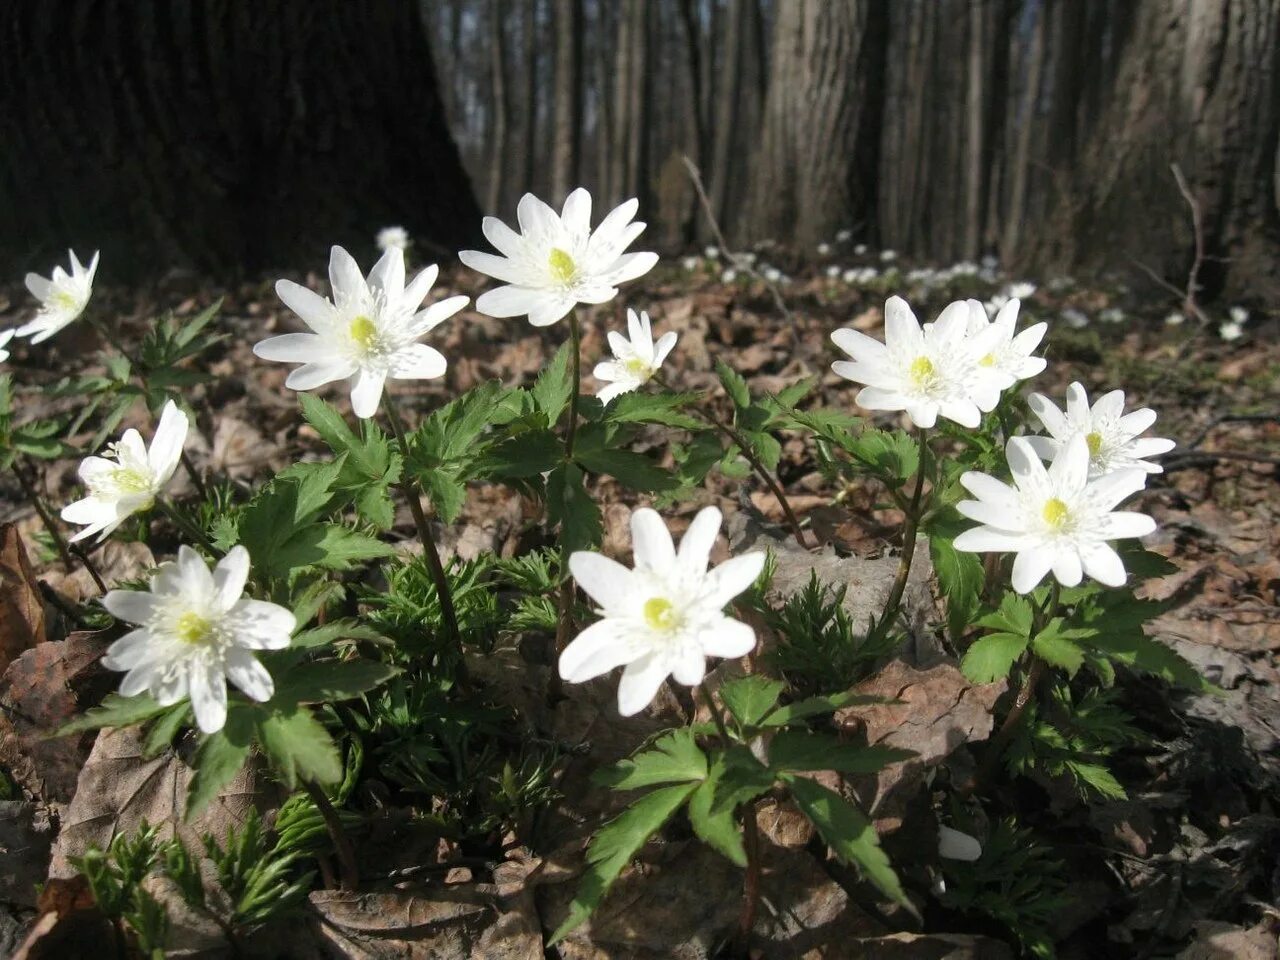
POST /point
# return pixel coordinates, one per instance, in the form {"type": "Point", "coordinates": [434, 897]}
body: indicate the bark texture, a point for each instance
{"type": "Point", "coordinates": [222, 134]}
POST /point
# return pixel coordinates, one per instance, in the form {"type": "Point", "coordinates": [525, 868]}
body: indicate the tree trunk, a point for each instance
{"type": "Point", "coordinates": [567, 143]}
{"type": "Point", "coordinates": [531, 74]}
{"type": "Point", "coordinates": [501, 105]}
{"type": "Point", "coordinates": [170, 139]}
{"type": "Point", "coordinates": [806, 177]}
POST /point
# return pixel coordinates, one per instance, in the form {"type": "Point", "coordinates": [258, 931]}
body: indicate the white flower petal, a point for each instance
{"type": "Point", "coordinates": [689, 668]}
{"type": "Point", "coordinates": [1103, 564]}
{"type": "Point", "coordinates": [697, 542]}
{"type": "Point", "coordinates": [1030, 566]}
{"type": "Point", "coordinates": [388, 273]}
{"type": "Point", "coordinates": [419, 287]}
{"type": "Point", "coordinates": [131, 606]}
{"type": "Point", "coordinates": [166, 445]}
{"type": "Point", "coordinates": [955, 845]}
{"type": "Point", "coordinates": [417, 362]}
{"type": "Point", "coordinates": [260, 625]}
{"type": "Point", "coordinates": [1049, 415]}
{"type": "Point", "coordinates": [296, 348]}
{"type": "Point", "coordinates": [604, 580]}
{"type": "Point", "coordinates": [345, 278]}
{"type": "Point", "coordinates": [651, 542]}
{"type": "Point", "coordinates": [131, 650]}
{"type": "Point", "coordinates": [314, 310]}
{"type": "Point", "coordinates": [208, 690]}
{"type": "Point", "coordinates": [312, 375]}
{"type": "Point", "coordinates": [640, 683]}
{"type": "Point", "coordinates": [596, 650]}
{"type": "Point", "coordinates": [728, 638]}
{"type": "Point", "coordinates": [510, 301]}
{"type": "Point", "coordinates": [1066, 567]}
{"type": "Point", "coordinates": [859, 346]}
{"type": "Point", "coordinates": [366, 391]}
{"type": "Point", "coordinates": [253, 679]}
{"type": "Point", "coordinates": [989, 540]}
{"type": "Point", "coordinates": [229, 578]}
{"type": "Point", "coordinates": [1124, 524]}
{"type": "Point", "coordinates": [732, 577]}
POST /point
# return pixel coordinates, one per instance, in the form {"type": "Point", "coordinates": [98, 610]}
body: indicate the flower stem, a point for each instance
{"type": "Point", "coordinates": [715, 713]}
{"type": "Point", "coordinates": [564, 620]}
{"type": "Point", "coordinates": [908, 541]}
{"type": "Point", "coordinates": [64, 548]}
{"type": "Point", "coordinates": [429, 551]}
{"type": "Point", "coordinates": [338, 834]}
{"type": "Point", "coordinates": [766, 477]}
{"type": "Point", "coordinates": [186, 526]}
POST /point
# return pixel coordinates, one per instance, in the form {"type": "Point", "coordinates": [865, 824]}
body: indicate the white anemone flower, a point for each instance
{"type": "Point", "coordinates": [665, 617]}
{"type": "Point", "coordinates": [129, 477]}
{"type": "Point", "coordinates": [924, 372]}
{"type": "Point", "coordinates": [1055, 519]}
{"type": "Point", "coordinates": [1007, 360]}
{"type": "Point", "coordinates": [195, 632]}
{"type": "Point", "coordinates": [389, 237]}
{"type": "Point", "coordinates": [367, 332]}
{"type": "Point", "coordinates": [62, 297]}
{"type": "Point", "coordinates": [1113, 436]}
{"type": "Point", "coordinates": [635, 360]}
{"type": "Point", "coordinates": [1230, 331]}
{"type": "Point", "coordinates": [5, 337]}
{"type": "Point", "coordinates": [557, 261]}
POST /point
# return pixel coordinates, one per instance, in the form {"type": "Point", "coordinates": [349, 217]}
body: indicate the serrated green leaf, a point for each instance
{"type": "Point", "coordinates": [629, 468]}
{"type": "Point", "coordinates": [554, 386]}
{"type": "Point", "coordinates": [330, 680]}
{"type": "Point", "coordinates": [1148, 655]}
{"type": "Point", "coordinates": [662, 408]}
{"type": "Point", "coordinates": [299, 747]}
{"type": "Point", "coordinates": [960, 575]}
{"type": "Point", "coordinates": [220, 757]}
{"type": "Point", "coordinates": [526, 454]}
{"type": "Point", "coordinates": [992, 657]}
{"type": "Point", "coordinates": [114, 711]}
{"type": "Point", "coordinates": [446, 492]}
{"type": "Point", "coordinates": [1014, 616]}
{"type": "Point", "coordinates": [1058, 650]}
{"type": "Point", "coordinates": [674, 757]}
{"type": "Point", "coordinates": [734, 385]}
{"type": "Point", "coordinates": [743, 779]}
{"type": "Point", "coordinates": [720, 831]}
{"type": "Point", "coordinates": [570, 506]}
{"type": "Point", "coordinates": [165, 728]}
{"type": "Point", "coordinates": [1098, 777]}
{"type": "Point", "coordinates": [614, 846]}
{"type": "Point", "coordinates": [848, 832]}
{"type": "Point", "coordinates": [796, 751]}
{"type": "Point", "coordinates": [817, 706]}
{"type": "Point", "coordinates": [328, 633]}
{"type": "Point", "coordinates": [892, 455]}
{"type": "Point", "coordinates": [749, 698]}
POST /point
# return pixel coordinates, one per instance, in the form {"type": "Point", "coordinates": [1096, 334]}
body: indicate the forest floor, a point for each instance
{"type": "Point", "coordinates": [1184, 867]}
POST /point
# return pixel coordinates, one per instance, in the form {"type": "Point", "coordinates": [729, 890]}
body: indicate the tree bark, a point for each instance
{"type": "Point", "coordinates": [567, 148]}
{"type": "Point", "coordinates": [501, 105]}
{"type": "Point", "coordinates": [531, 74]}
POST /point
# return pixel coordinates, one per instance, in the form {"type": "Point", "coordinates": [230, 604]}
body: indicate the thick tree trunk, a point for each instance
{"type": "Point", "coordinates": [806, 178]}
{"type": "Point", "coordinates": [497, 146]}
{"type": "Point", "coordinates": [567, 147]}
{"type": "Point", "coordinates": [162, 134]}
{"type": "Point", "coordinates": [531, 74]}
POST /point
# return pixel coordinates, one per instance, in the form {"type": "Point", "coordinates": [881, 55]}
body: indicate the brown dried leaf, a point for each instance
{"type": "Point", "coordinates": [70, 924]}
{"type": "Point", "coordinates": [21, 609]}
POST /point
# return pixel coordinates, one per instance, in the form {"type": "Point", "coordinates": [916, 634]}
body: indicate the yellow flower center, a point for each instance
{"type": "Point", "coordinates": [638, 368]}
{"type": "Point", "coordinates": [363, 332]}
{"type": "Point", "coordinates": [1056, 514]}
{"type": "Point", "coordinates": [129, 480]}
{"type": "Point", "coordinates": [659, 614]}
{"type": "Point", "coordinates": [562, 266]}
{"type": "Point", "coordinates": [922, 372]}
{"type": "Point", "coordinates": [988, 361]}
{"type": "Point", "coordinates": [192, 628]}
{"type": "Point", "coordinates": [1094, 440]}
{"type": "Point", "coordinates": [67, 301]}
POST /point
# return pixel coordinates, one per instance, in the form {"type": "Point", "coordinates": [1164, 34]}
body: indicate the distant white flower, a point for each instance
{"type": "Point", "coordinates": [1075, 319]}
{"type": "Point", "coordinates": [729, 276]}
{"type": "Point", "coordinates": [1056, 519]}
{"type": "Point", "coordinates": [1113, 437]}
{"type": "Point", "coordinates": [824, 249]}
{"type": "Point", "coordinates": [690, 263]}
{"type": "Point", "coordinates": [957, 845]}
{"type": "Point", "coordinates": [860, 249]}
{"type": "Point", "coordinates": [367, 332]}
{"type": "Point", "coordinates": [747, 259]}
{"type": "Point", "coordinates": [1175, 318]}
{"type": "Point", "coordinates": [666, 616]}
{"type": "Point", "coordinates": [924, 372]}
{"type": "Point", "coordinates": [635, 360]}
{"type": "Point", "coordinates": [1230, 331]}
{"type": "Point", "coordinates": [1112, 315]}
{"type": "Point", "coordinates": [129, 477]}
{"type": "Point", "coordinates": [556, 261]}
{"type": "Point", "coordinates": [712, 252]}
{"type": "Point", "coordinates": [1008, 359]}
{"type": "Point", "coordinates": [772, 274]}
{"type": "Point", "coordinates": [1020, 291]}
{"type": "Point", "coordinates": [1060, 283]}
{"type": "Point", "coordinates": [196, 632]}
{"type": "Point", "coordinates": [993, 305]}
{"type": "Point", "coordinates": [888, 256]}
{"type": "Point", "coordinates": [833, 271]}
{"type": "Point", "coordinates": [1238, 314]}
{"type": "Point", "coordinates": [62, 298]}
{"type": "Point", "coordinates": [5, 337]}
{"type": "Point", "coordinates": [389, 237]}
{"type": "Point", "coordinates": [844, 236]}
{"type": "Point", "coordinates": [850, 276]}
{"type": "Point", "coordinates": [990, 262]}
{"type": "Point", "coordinates": [965, 268]}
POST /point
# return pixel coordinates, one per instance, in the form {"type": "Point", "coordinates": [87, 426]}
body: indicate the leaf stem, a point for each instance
{"type": "Point", "coordinates": [909, 533]}
{"type": "Point", "coordinates": [715, 713]}
{"type": "Point", "coordinates": [338, 834]}
{"type": "Point", "coordinates": [186, 526]}
{"type": "Point", "coordinates": [429, 551]}
{"type": "Point", "coordinates": [751, 883]}
{"type": "Point", "coordinates": [64, 548]}
{"type": "Point", "coordinates": [564, 619]}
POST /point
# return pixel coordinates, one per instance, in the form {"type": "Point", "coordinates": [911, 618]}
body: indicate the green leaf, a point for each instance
{"type": "Point", "coordinates": [1057, 649]}
{"type": "Point", "coordinates": [220, 757]}
{"type": "Point", "coordinates": [894, 456]}
{"type": "Point", "coordinates": [299, 747]}
{"type": "Point", "coordinates": [675, 757]}
{"type": "Point", "coordinates": [629, 468]}
{"type": "Point", "coordinates": [797, 751]}
{"type": "Point", "coordinates": [339, 547]}
{"type": "Point", "coordinates": [720, 831]}
{"type": "Point", "coordinates": [1139, 652]}
{"type": "Point", "coordinates": [750, 698]}
{"type": "Point", "coordinates": [816, 706]}
{"type": "Point", "coordinates": [960, 575]}
{"type": "Point", "coordinates": [333, 631]}
{"type": "Point", "coordinates": [1098, 777]}
{"type": "Point", "coordinates": [328, 680]}
{"type": "Point", "coordinates": [554, 386]}
{"type": "Point", "coordinates": [848, 832]}
{"type": "Point", "coordinates": [744, 778]}
{"type": "Point", "coordinates": [734, 385]}
{"type": "Point", "coordinates": [569, 505]}
{"type": "Point", "coordinates": [114, 711]}
{"type": "Point", "coordinates": [1014, 616]}
{"type": "Point", "coordinates": [162, 732]}
{"type": "Point", "coordinates": [446, 492]}
{"type": "Point", "coordinates": [663, 408]}
{"type": "Point", "coordinates": [615, 845]}
{"type": "Point", "coordinates": [526, 454]}
{"type": "Point", "coordinates": [992, 657]}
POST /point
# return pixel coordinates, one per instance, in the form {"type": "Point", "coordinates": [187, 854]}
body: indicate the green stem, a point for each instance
{"type": "Point", "coordinates": [564, 623]}
{"type": "Point", "coordinates": [908, 541]}
{"type": "Point", "coordinates": [429, 551]}
{"type": "Point", "coordinates": [186, 526]}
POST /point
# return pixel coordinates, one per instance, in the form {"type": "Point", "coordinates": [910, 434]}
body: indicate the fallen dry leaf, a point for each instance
{"type": "Point", "coordinates": [21, 608]}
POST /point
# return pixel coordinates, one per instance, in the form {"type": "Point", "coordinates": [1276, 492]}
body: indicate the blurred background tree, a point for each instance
{"type": "Point", "coordinates": [231, 134]}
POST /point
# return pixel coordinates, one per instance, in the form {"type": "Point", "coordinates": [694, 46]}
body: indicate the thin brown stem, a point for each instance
{"type": "Point", "coordinates": [908, 541]}
{"type": "Point", "coordinates": [338, 834]}
{"type": "Point", "coordinates": [564, 624]}
{"type": "Point", "coordinates": [196, 480]}
{"type": "Point", "coordinates": [63, 547]}
{"type": "Point", "coordinates": [750, 883]}
{"type": "Point", "coordinates": [429, 551]}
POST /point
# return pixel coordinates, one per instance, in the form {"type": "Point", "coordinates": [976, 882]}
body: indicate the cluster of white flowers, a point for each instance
{"type": "Point", "coordinates": [1233, 329]}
